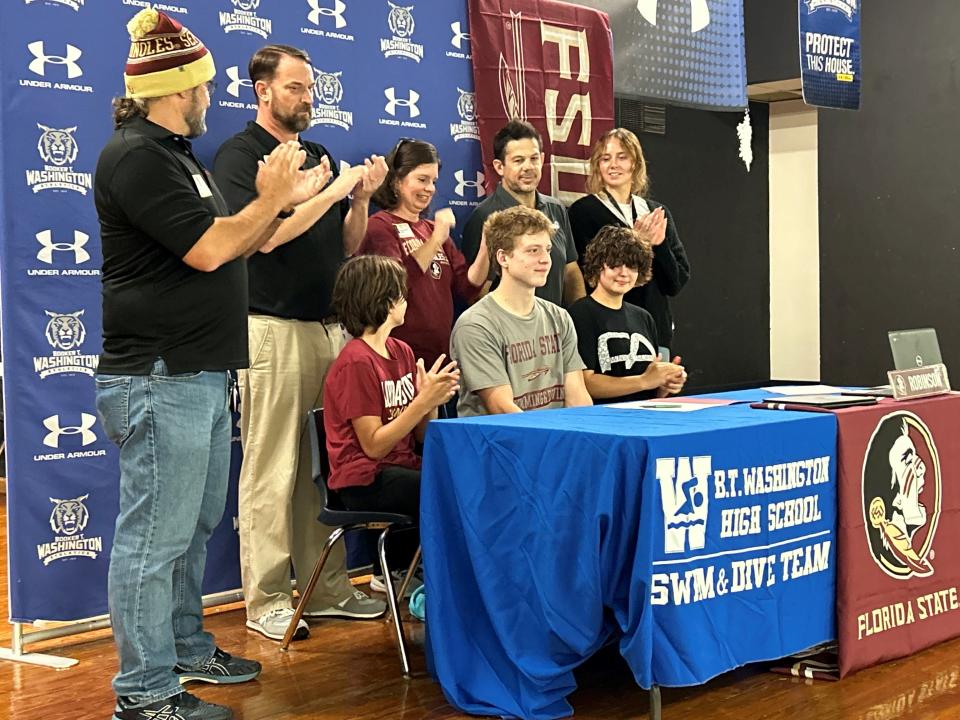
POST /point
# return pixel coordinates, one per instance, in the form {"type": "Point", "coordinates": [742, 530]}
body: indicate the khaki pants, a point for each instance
{"type": "Point", "coordinates": [278, 501]}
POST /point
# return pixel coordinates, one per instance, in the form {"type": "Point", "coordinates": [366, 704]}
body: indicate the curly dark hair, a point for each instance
{"type": "Point", "coordinates": [614, 246]}
{"type": "Point", "coordinates": [365, 289]}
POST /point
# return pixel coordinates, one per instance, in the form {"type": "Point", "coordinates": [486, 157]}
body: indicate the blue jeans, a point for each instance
{"type": "Point", "coordinates": [173, 432]}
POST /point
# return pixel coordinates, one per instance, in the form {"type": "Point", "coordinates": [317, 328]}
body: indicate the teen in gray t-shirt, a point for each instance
{"type": "Point", "coordinates": [531, 354]}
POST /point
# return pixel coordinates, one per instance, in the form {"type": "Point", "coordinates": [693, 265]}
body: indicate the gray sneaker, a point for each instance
{"type": "Point", "coordinates": [377, 585]}
{"type": "Point", "coordinates": [357, 606]}
{"type": "Point", "coordinates": [274, 625]}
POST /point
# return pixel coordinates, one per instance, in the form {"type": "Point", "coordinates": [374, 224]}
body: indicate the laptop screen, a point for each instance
{"type": "Point", "coordinates": [914, 348]}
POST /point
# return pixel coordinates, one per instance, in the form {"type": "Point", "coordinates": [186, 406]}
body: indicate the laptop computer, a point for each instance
{"type": "Point", "coordinates": [914, 348]}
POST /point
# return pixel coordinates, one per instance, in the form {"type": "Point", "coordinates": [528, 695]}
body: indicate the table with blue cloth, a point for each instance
{"type": "Point", "coordinates": [697, 541]}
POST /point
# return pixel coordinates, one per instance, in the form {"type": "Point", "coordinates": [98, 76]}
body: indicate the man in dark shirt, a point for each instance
{"type": "Point", "coordinates": [174, 325]}
{"type": "Point", "coordinates": [518, 159]}
{"type": "Point", "coordinates": [618, 340]}
{"type": "Point", "coordinates": [293, 339]}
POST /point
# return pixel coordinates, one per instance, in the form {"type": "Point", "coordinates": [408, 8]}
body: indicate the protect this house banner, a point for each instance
{"type": "Point", "coordinates": [830, 53]}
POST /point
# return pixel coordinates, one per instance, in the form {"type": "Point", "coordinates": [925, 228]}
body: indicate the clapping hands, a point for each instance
{"type": "Point", "coordinates": [652, 227]}
{"type": "Point", "coordinates": [438, 384]}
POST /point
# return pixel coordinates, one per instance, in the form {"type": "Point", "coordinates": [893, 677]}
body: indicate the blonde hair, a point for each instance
{"type": "Point", "coordinates": [639, 183]}
{"type": "Point", "coordinates": [503, 228]}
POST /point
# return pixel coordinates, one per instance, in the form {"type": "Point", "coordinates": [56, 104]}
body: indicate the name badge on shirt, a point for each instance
{"type": "Point", "coordinates": [202, 186]}
{"type": "Point", "coordinates": [403, 230]}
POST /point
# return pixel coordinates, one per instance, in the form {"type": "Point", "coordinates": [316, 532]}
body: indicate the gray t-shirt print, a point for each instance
{"type": "Point", "coordinates": [531, 354]}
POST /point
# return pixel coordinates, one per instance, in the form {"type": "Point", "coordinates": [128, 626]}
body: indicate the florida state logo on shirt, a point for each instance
{"type": "Point", "coordinates": [435, 269]}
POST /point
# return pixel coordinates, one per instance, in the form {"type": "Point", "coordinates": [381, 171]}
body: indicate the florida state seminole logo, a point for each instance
{"type": "Point", "coordinates": [902, 494]}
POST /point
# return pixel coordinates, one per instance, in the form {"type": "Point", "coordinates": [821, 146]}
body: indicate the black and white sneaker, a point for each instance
{"type": "Point", "coordinates": [183, 706]}
{"type": "Point", "coordinates": [222, 669]}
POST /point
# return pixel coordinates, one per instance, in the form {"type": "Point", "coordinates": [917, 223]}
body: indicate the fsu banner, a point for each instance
{"type": "Point", "coordinates": [830, 53]}
{"type": "Point", "coordinates": [549, 63]}
{"type": "Point", "coordinates": [680, 52]}
{"type": "Point", "coordinates": [899, 529]}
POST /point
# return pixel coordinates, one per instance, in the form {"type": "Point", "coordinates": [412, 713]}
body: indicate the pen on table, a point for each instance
{"type": "Point", "coordinates": [662, 406]}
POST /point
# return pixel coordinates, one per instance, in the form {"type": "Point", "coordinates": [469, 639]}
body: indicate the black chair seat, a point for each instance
{"type": "Point", "coordinates": [334, 518]}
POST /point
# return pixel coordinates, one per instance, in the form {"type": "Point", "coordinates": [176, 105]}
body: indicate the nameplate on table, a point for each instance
{"type": "Point", "coordinates": [919, 382]}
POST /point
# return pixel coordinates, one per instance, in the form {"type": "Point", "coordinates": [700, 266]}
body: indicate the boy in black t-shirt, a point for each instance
{"type": "Point", "coordinates": [617, 340]}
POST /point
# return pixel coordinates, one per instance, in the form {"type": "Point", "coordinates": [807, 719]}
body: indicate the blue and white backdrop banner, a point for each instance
{"type": "Point", "coordinates": [830, 53]}
{"type": "Point", "coordinates": [385, 70]}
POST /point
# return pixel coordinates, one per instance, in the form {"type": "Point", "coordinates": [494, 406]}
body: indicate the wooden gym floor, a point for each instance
{"type": "Point", "coordinates": [349, 670]}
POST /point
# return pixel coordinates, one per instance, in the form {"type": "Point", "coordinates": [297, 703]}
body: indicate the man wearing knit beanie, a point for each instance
{"type": "Point", "coordinates": [174, 327]}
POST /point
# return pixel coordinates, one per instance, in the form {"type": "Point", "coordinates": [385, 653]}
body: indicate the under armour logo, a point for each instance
{"type": "Point", "coordinates": [39, 63]}
{"type": "Point", "coordinates": [699, 13]}
{"type": "Point", "coordinates": [462, 183]}
{"type": "Point", "coordinates": [459, 37]}
{"type": "Point", "coordinates": [84, 430]}
{"type": "Point", "coordinates": [684, 496]}
{"type": "Point", "coordinates": [336, 12]}
{"type": "Point", "coordinates": [410, 102]}
{"type": "Point", "coordinates": [48, 247]}
{"type": "Point", "coordinates": [236, 82]}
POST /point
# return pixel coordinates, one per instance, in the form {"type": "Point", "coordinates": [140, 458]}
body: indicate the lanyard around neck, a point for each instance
{"type": "Point", "coordinates": [618, 210]}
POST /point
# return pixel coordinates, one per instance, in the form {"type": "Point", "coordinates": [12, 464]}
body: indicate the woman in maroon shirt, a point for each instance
{"type": "Point", "coordinates": [436, 269]}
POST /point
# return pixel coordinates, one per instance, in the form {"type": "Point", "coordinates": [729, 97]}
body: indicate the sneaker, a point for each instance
{"type": "Point", "coordinates": [357, 606]}
{"type": "Point", "coordinates": [275, 623]}
{"type": "Point", "coordinates": [222, 669]}
{"type": "Point", "coordinates": [376, 582]}
{"type": "Point", "coordinates": [183, 706]}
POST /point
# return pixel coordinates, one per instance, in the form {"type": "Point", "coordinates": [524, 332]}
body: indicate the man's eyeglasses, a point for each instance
{"type": "Point", "coordinates": [211, 87]}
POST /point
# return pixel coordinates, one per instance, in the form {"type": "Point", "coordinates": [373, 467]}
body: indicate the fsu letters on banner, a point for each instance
{"type": "Point", "coordinates": [899, 534]}
{"type": "Point", "coordinates": [549, 63]}
{"type": "Point", "coordinates": [830, 53]}
{"type": "Point", "coordinates": [384, 70]}
{"type": "Point", "coordinates": [680, 52]}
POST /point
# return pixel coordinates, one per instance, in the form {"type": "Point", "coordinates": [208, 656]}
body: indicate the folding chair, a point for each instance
{"type": "Point", "coordinates": [336, 516]}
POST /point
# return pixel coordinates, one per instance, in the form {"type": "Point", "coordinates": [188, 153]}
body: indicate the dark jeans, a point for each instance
{"type": "Point", "coordinates": [394, 489]}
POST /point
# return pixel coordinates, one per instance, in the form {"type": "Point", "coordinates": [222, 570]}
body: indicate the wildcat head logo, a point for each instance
{"type": "Point", "coordinates": [329, 90]}
{"type": "Point", "coordinates": [902, 494]}
{"type": "Point", "coordinates": [400, 20]}
{"type": "Point", "coordinates": [65, 332]}
{"type": "Point", "coordinates": [248, 5]}
{"type": "Point", "coordinates": [467, 128]}
{"type": "Point", "coordinates": [467, 106]}
{"type": "Point", "coordinates": [401, 24]}
{"type": "Point", "coordinates": [69, 517]}
{"type": "Point", "coordinates": [68, 520]}
{"type": "Point", "coordinates": [685, 498]}
{"type": "Point", "coordinates": [57, 147]}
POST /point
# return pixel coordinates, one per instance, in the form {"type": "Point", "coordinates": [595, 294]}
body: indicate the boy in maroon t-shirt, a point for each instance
{"type": "Point", "coordinates": [378, 398]}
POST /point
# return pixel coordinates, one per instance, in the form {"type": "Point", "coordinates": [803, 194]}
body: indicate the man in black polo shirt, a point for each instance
{"type": "Point", "coordinates": [293, 340]}
{"type": "Point", "coordinates": [518, 159]}
{"type": "Point", "coordinates": [174, 325]}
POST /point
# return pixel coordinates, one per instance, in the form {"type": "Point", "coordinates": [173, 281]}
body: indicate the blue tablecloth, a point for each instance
{"type": "Point", "coordinates": [544, 538]}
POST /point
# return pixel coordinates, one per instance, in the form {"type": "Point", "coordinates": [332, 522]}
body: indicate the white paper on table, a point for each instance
{"type": "Point", "coordinates": [804, 390]}
{"type": "Point", "coordinates": [661, 406]}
